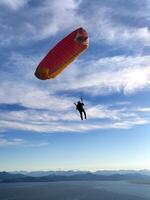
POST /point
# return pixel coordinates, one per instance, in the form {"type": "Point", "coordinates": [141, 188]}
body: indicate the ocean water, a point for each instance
{"type": "Point", "coordinates": [75, 190]}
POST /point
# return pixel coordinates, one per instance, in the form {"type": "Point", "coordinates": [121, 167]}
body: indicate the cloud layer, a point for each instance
{"type": "Point", "coordinates": [111, 23]}
{"type": "Point", "coordinates": [48, 106]}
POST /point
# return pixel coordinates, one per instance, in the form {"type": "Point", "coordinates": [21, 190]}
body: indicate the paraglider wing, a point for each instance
{"type": "Point", "coordinates": [64, 53]}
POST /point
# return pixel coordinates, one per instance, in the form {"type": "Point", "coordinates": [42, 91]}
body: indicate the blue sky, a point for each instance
{"type": "Point", "coordinates": [39, 126]}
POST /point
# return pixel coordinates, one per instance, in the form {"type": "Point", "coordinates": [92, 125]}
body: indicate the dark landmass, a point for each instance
{"type": "Point", "coordinates": [6, 177]}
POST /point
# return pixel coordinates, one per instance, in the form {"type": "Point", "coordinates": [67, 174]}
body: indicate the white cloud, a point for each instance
{"type": "Point", "coordinates": [106, 75]}
{"type": "Point", "coordinates": [55, 16]}
{"type": "Point", "coordinates": [13, 4]}
{"type": "Point", "coordinates": [129, 124]}
{"type": "Point", "coordinates": [118, 25]}
{"type": "Point", "coordinates": [112, 33]}
{"type": "Point", "coordinates": [69, 115]}
{"type": "Point", "coordinates": [47, 121]}
{"type": "Point", "coordinates": [72, 127]}
{"type": "Point", "coordinates": [48, 18]}
{"type": "Point", "coordinates": [61, 13]}
{"type": "Point", "coordinates": [146, 109]}
{"type": "Point", "coordinates": [31, 96]}
{"type": "Point", "coordinates": [102, 112]}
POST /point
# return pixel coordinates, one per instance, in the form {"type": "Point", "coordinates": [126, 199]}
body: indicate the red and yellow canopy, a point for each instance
{"type": "Point", "coordinates": [64, 53]}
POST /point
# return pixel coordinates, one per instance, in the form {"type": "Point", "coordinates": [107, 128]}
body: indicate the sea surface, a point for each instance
{"type": "Point", "coordinates": [75, 190]}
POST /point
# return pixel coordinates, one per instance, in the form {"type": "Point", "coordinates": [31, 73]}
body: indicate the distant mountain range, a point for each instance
{"type": "Point", "coordinates": [110, 172]}
{"type": "Point", "coordinates": [9, 176]}
{"type": "Point", "coordinates": [6, 177]}
{"type": "Point", "coordinates": [72, 172]}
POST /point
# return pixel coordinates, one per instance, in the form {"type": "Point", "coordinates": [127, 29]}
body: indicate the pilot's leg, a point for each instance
{"type": "Point", "coordinates": [84, 113]}
{"type": "Point", "coordinates": [81, 115]}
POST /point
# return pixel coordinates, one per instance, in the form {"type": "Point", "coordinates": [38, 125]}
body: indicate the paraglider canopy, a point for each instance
{"type": "Point", "coordinates": [64, 53]}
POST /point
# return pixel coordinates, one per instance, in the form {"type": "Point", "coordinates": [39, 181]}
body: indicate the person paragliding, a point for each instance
{"type": "Point", "coordinates": [80, 107]}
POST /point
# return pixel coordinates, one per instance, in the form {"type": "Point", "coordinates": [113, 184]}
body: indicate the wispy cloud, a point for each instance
{"type": "Point", "coordinates": [14, 142]}
{"type": "Point", "coordinates": [37, 145]}
{"type": "Point", "coordinates": [10, 142]}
